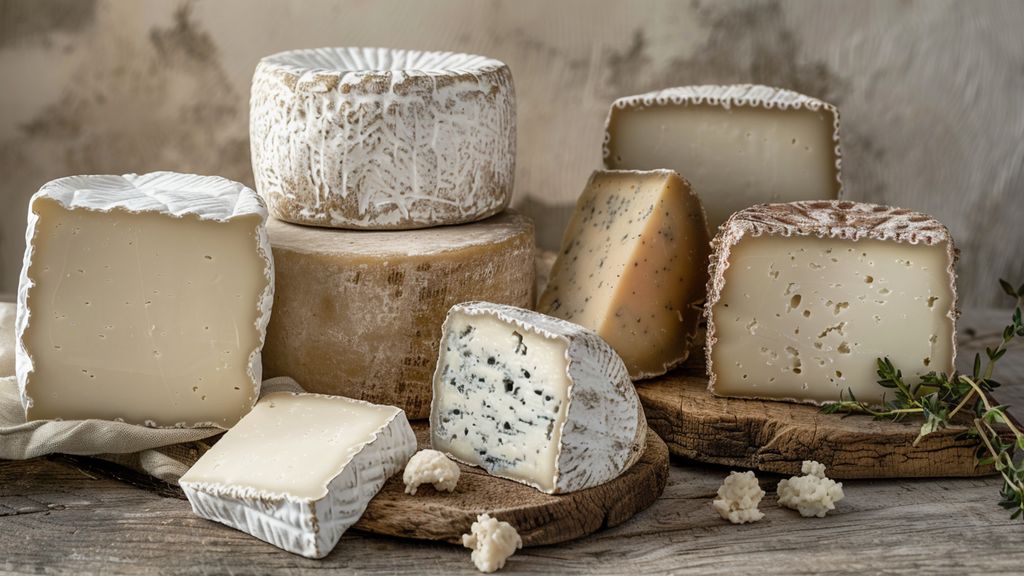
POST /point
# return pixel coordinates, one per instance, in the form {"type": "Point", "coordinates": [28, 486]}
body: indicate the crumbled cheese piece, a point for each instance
{"type": "Point", "coordinates": [738, 498]}
{"type": "Point", "coordinates": [812, 494]}
{"type": "Point", "coordinates": [430, 467]}
{"type": "Point", "coordinates": [492, 542]}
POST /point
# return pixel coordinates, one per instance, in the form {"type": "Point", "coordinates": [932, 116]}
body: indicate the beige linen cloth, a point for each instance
{"type": "Point", "coordinates": [165, 453]}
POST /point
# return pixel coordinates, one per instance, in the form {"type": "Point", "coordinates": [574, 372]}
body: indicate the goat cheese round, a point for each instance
{"type": "Point", "coordinates": [430, 467]}
{"type": "Point", "coordinates": [738, 498]}
{"type": "Point", "coordinates": [492, 542]}
{"type": "Point", "coordinates": [375, 138]}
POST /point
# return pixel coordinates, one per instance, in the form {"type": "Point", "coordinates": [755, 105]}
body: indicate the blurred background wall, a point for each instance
{"type": "Point", "coordinates": [931, 92]}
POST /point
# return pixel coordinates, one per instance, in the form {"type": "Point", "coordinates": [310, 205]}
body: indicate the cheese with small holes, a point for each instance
{"type": "Point", "coordinates": [534, 399]}
{"type": "Point", "coordinates": [805, 297]}
{"type": "Point", "coordinates": [300, 469]}
{"type": "Point", "coordinates": [738, 145]}
{"type": "Point", "coordinates": [359, 313]}
{"type": "Point", "coordinates": [374, 138]}
{"type": "Point", "coordinates": [144, 299]}
{"type": "Point", "coordinates": [633, 267]}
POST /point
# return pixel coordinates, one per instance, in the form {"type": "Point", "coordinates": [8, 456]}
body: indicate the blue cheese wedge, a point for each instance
{"type": "Point", "coordinates": [534, 399]}
{"type": "Point", "coordinates": [300, 469]}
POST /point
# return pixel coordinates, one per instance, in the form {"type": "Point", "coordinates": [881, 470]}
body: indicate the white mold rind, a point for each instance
{"type": "Point", "coordinates": [375, 138]}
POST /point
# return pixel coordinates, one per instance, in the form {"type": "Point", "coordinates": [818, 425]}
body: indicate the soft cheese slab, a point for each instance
{"type": "Point", "coordinates": [145, 299]}
{"type": "Point", "coordinates": [804, 297]}
{"type": "Point", "coordinates": [300, 469]}
{"type": "Point", "coordinates": [633, 267]}
{"type": "Point", "coordinates": [533, 398]}
{"type": "Point", "coordinates": [374, 138]}
{"type": "Point", "coordinates": [359, 313]}
{"type": "Point", "coordinates": [738, 145]}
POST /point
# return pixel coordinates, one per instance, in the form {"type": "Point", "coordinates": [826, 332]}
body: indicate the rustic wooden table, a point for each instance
{"type": "Point", "coordinates": [60, 515]}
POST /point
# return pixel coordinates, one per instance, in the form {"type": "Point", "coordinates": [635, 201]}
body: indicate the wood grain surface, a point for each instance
{"type": "Point", "coordinates": [539, 518]}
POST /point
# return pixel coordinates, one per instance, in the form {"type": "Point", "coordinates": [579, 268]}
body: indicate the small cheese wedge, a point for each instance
{"type": "Point", "coordinates": [804, 297]}
{"type": "Point", "coordinates": [144, 299]}
{"type": "Point", "coordinates": [300, 469]}
{"type": "Point", "coordinates": [633, 267]}
{"type": "Point", "coordinates": [534, 399]}
{"type": "Point", "coordinates": [738, 145]}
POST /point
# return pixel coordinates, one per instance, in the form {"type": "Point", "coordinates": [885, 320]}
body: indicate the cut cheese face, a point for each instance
{"type": "Point", "coordinates": [633, 267]}
{"type": "Point", "coordinates": [7, 315]}
{"type": "Point", "coordinates": [533, 398]}
{"type": "Point", "coordinates": [738, 145]}
{"type": "Point", "coordinates": [300, 469]}
{"type": "Point", "coordinates": [808, 296]}
{"type": "Point", "coordinates": [144, 299]}
{"type": "Point", "coordinates": [375, 139]}
{"type": "Point", "coordinates": [359, 313]}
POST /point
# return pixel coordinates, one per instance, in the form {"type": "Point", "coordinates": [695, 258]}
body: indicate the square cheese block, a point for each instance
{"type": "Point", "coordinates": [738, 145]}
{"type": "Point", "coordinates": [144, 299]}
{"type": "Point", "coordinates": [533, 398]}
{"type": "Point", "coordinates": [300, 469]}
{"type": "Point", "coordinates": [633, 267]}
{"type": "Point", "coordinates": [804, 297]}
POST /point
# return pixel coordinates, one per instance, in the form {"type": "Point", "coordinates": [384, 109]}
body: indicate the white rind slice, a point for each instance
{"type": "Point", "coordinates": [604, 429]}
{"type": "Point", "coordinates": [310, 527]}
{"type": "Point", "coordinates": [377, 139]}
{"type": "Point", "coordinates": [172, 194]}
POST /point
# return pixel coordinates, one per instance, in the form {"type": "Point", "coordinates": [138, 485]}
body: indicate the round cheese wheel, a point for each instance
{"type": "Point", "coordinates": [379, 139]}
{"type": "Point", "coordinates": [359, 313]}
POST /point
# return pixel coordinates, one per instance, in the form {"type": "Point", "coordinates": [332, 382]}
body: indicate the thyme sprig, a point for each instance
{"type": "Point", "coordinates": [939, 397]}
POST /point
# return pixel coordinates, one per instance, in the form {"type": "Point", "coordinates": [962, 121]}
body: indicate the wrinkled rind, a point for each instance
{"type": "Point", "coordinates": [310, 527]}
{"type": "Point", "coordinates": [210, 198]}
{"type": "Point", "coordinates": [377, 139]}
{"type": "Point", "coordinates": [605, 429]}
{"type": "Point", "coordinates": [726, 96]}
{"type": "Point", "coordinates": [832, 219]}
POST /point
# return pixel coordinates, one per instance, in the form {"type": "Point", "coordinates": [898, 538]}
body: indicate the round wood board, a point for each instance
{"type": "Point", "coordinates": [779, 436]}
{"type": "Point", "coordinates": [539, 518]}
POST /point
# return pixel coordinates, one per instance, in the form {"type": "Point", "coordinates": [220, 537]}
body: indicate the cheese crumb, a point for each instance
{"type": "Point", "coordinates": [812, 494]}
{"type": "Point", "coordinates": [492, 542]}
{"type": "Point", "coordinates": [430, 467]}
{"type": "Point", "coordinates": [738, 498]}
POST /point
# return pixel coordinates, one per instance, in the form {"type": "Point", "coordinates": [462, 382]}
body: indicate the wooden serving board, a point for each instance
{"type": "Point", "coordinates": [539, 518]}
{"type": "Point", "coordinates": [779, 436]}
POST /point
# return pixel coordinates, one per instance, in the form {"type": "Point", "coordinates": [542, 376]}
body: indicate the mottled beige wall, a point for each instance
{"type": "Point", "coordinates": [930, 91]}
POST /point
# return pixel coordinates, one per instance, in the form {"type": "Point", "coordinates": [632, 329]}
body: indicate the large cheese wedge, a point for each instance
{"type": "Point", "coordinates": [378, 139]}
{"type": "Point", "coordinates": [300, 469]}
{"type": "Point", "coordinates": [804, 297]}
{"type": "Point", "coordinates": [738, 145]}
{"type": "Point", "coordinates": [633, 267]}
{"type": "Point", "coordinates": [359, 313]}
{"type": "Point", "coordinates": [534, 399]}
{"type": "Point", "coordinates": [144, 299]}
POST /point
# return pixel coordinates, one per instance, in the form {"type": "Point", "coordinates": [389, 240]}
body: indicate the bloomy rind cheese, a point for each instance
{"type": "Point", "coordinates": [359, 313]}
{"type": "Point", "coordinates": [168, 193]}
{"type": "Point", "coordinates": [833, 219]}
{"type": "Point", "coordinates": [597, 444]}
{"type": "Point", "coordinates": [374, 138]}
{"type": "Point", "coordinates": [310, 527]}
{"type": "Point", "coordinates": [726, 96]}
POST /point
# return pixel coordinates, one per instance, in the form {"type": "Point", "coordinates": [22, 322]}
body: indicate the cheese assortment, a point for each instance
{"type": "Point", "coordinates": [739, 145]}
{"type": "Point", "coordinates": [144, 299]}
{"type": "Point", "coordinates": [632, 267]}
{"type": "Point", "coordinates": [359, 313]}
{"type": "Point", "coordinates": [804, 297]}
{"type": "Point", "coordinates": [299, 469]}
{"type": "Point", "coordinates": [375, 138]}
{"type": "Point", "coordinates": [533, 398]}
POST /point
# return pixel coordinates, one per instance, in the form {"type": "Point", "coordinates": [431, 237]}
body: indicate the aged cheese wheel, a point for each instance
{"type": "Point", "coordinates": [359, 313]}
{"type": "Point", "coordinates": [378, 139]}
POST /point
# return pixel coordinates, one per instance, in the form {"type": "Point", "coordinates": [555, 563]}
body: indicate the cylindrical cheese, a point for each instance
{"type": "Point", "coordinates": [359, 313]}
{"type": "Point", "coordinates": [378, 139]}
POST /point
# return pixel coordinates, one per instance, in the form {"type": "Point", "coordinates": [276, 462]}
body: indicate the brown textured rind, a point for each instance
{"type": "Point", "coordinates": [833, 219]}
{"type": "Point", "coordinates": [359, 314]}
